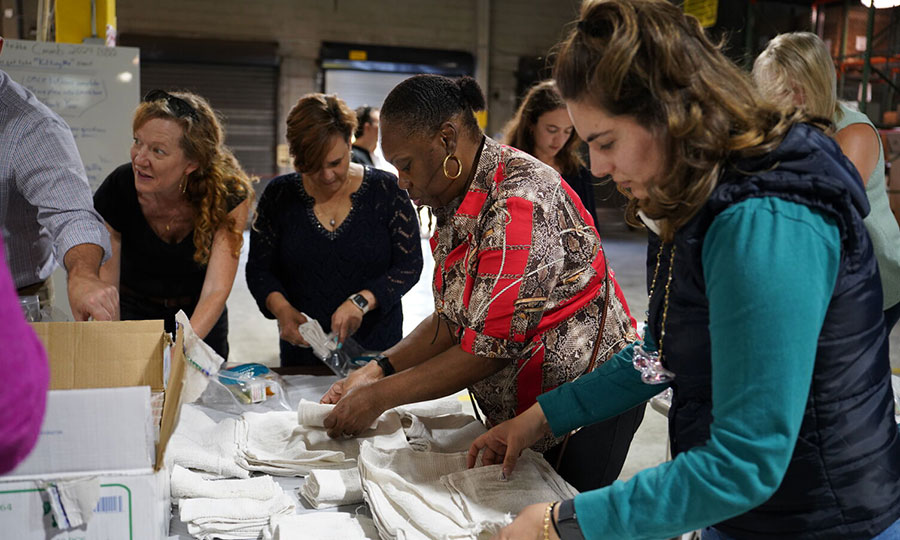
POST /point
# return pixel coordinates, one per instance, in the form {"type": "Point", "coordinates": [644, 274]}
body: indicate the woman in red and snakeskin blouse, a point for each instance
{"type": "Point", "coordinates": [524, 299]}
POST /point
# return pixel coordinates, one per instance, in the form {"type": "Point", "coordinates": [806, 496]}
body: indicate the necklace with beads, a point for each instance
{"type": "Point", "coordinates": [649, 362]}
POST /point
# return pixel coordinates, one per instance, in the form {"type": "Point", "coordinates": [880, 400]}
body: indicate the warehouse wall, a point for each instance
{"type": "Point", "coordinates": [517, 28]}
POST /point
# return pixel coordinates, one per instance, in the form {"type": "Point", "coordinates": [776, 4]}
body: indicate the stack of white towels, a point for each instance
{"type": "Point", "coordinates": [228, 509]}
{"type": "Point", "coordinates": [410, 466]}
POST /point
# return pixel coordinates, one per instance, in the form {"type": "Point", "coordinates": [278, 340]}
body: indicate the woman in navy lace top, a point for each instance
{"type": "Point", "coordinates": [337, 242]}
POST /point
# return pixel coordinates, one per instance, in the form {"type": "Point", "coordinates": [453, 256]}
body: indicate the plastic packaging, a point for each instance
{"type": "Point", "coordinates": [351, 355]}
{"type": "Point", "coordinates": [238, 388]}
{"type": "Point", "coordinates": [341, 358]}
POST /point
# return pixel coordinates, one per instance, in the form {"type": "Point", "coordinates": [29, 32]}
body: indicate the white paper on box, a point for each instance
{"type": "Point", "coordinates": [93, 430]}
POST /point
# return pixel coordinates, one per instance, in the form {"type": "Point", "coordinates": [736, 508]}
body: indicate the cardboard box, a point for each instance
{"type": "Point", "coordinates": [131, 507]}
{"type": "Point", "coordinates": [99, 423]}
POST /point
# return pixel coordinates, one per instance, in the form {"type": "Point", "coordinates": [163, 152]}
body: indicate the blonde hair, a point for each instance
{"type": "Point", "coordinates": [798, 62]}
{"type": "Point", "coordinates": [218, 183]}
{"type": "Point", "coordinates": [647, 60]}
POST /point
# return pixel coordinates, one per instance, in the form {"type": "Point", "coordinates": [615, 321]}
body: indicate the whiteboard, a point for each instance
{"type": "Point", "coordinates": [95, 89]}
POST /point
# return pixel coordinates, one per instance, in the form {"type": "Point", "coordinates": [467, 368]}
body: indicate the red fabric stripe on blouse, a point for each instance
{"type": "Point", "coordinates": [530, 381]}
{"type": "Point", "coordinates": [518, 233]}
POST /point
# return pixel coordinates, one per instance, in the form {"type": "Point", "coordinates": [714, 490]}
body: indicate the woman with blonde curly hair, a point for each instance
{"type": "Point", "coordinates": [765, 304]}
{"type": "Point", "coordinates": [176, 215]}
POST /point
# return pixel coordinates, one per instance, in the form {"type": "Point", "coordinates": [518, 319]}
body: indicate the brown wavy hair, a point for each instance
{"type": "Point", "coordinates": [542, 98]}
{"type": "Point", "coordinates": [648, 60]}
{"type": "Point", "coordinates": [218, 183]}
{"type": "Point", "coordinates": [311, 124]}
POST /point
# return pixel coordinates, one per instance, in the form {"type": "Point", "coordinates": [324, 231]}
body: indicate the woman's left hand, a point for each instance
{"type": "Point", "coordinates": [528, 525]}
{"type": "Point", "coordinates": [354, 413]}
{"type": "Point", "coordinates": [346, 320]}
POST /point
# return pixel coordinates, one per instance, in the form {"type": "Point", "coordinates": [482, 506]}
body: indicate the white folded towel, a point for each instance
{"type": "Point", "coordinates": [200, 443]}
{"type": "Point", "coordinates": [325, 488]}
{"type": "Point", "coordinates": [232, 518]}
{"type": "Point", "coordinates": [187, 484]}
{"type": "Point", "coordinates": [321, 526]}
{"type": "Point", "coordinates": [274, 443]}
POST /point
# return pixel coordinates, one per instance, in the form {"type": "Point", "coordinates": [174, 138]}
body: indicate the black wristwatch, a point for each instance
{"type": "Point", "coordinates": [567, 522]}
{"type": "Point", "coordinates": [385, 365]}
{"type": "Point", "coordinates": [360, 302]}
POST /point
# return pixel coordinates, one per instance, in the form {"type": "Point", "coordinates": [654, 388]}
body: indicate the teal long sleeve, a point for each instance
{"type": "Point", "coordinates": [770, 268]}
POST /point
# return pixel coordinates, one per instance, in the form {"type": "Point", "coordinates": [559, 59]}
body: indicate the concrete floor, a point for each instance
{"type": "Point", "coordinates": [255, 339]}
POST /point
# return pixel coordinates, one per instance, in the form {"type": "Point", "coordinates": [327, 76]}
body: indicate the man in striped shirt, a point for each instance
{"type": "Point", "coordinates": [46, 211]}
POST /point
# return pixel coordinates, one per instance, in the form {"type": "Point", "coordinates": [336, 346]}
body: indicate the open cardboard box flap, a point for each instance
{"type": "Point", "coordinates": [115, 354]}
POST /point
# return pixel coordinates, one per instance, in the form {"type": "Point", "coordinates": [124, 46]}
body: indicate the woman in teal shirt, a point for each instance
{"type": "Point", "coordinates": [765, 304]}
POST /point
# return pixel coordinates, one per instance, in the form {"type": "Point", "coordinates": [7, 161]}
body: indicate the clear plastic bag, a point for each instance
{"type": "Point", "coordinates": [351, 355]}
{"type": "Point", "coordinates": [238, 388]}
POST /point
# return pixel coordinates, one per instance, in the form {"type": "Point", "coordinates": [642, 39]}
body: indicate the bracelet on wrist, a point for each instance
{"type": "Point", "coordinates": [548, 518]}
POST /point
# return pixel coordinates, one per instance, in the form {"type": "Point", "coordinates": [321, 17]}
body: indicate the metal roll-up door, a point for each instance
{"type": "Point", "coordinates": [243, 95]}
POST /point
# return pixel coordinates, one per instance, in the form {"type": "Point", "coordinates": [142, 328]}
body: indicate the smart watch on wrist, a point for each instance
{"type": "Point", "coordinates": [360, 301]}
{"type": "Point", "coordinates": [385, 364]}
{"type": "Point", "coordinates": [567, 522]}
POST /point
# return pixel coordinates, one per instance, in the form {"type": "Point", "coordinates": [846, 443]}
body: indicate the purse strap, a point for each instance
{"type": "Point", "coordinates": [594, 352]}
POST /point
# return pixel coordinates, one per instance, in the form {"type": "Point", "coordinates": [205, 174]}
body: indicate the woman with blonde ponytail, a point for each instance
{"type": "Point", "coordinates": [765, 314]}
{"type": "Point", "coordinates": [176, 215]}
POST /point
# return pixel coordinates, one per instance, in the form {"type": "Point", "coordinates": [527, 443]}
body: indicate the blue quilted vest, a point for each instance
{"type": "Point", "coordinates": [843, 481]}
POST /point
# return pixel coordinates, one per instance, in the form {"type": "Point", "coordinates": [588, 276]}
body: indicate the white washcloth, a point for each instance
{"type": "Point", "coordinates": [200, 443]}
{"type": "Point", "coordinates": [312, 414]}
{"type": "Point", "coordinates": [325, 488]}
{"type": "Point", "coordinates": [434, 407]}
{"type": "Point", "coordinates": [187, 484]}
{"type": "Point", "coordinates": [432, 495]}
{"type": "Point", "coordinates": [447, 433]}
{"type": "Point", "coordinates": [274, 443]}
{"type": "Point", "coordinates": [321, 526]}
{"type": "Point", "coordinates": [322, 344]}
{"type": "Point", "coordinates": [232, 518]}
{"type": "Point", "coordinates": [404, 491]}
{"type": "Point", "coordinates": [484, 498]}
{"type": "Point", "coordinates": [73, 501]}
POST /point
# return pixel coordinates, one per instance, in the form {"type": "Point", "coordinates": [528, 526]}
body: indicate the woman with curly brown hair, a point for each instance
{"type": "Point", "coordinates": [542, 127]}
{"type": "Point", "coordinates": [765, 304]}
{"type": "Point", "coordinates": [176, 215]}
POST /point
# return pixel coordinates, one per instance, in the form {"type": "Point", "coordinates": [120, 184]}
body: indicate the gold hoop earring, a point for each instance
{"type": "Point", "coordinates": [458, 167]}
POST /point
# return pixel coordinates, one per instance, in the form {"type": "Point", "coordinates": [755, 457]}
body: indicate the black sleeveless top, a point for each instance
{"type": "Point", "coordinates": [149, 265]}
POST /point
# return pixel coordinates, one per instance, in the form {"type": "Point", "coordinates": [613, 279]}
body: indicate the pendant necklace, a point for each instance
{"type": "Point", "coordinates": [649, 363]}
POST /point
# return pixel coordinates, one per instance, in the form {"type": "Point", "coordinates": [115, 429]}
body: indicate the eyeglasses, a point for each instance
{"type": "Point", "coordinates": [180, 107]}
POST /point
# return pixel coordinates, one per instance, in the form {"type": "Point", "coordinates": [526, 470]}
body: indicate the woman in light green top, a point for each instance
{"type": "Point", "coordinates": [797, 69]}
